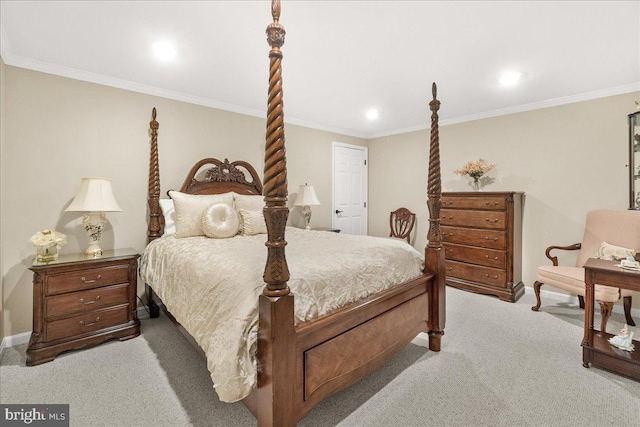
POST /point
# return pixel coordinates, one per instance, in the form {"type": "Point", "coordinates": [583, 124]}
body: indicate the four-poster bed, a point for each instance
{"type": "Point", "coordinates": [300, 361]}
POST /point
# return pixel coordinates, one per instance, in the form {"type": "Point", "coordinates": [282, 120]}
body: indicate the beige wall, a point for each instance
{"type": "Point", "coordinates": [57, 130]}
{"type": "Point", "coordinates": [568, 160]}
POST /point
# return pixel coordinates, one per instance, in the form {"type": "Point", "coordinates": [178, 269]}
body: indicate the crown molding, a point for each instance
{"type": "Point", "coordinates": [586, 96]}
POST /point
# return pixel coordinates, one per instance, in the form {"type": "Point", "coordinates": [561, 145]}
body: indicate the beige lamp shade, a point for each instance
{"type": "Point", "coordinates": [94, 195]}
{"type": "Point", "coordinates": [306, 196]}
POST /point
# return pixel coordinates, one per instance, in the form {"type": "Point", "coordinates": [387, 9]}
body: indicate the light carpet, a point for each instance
{"type": "Point", "coordinates": [501, 365]}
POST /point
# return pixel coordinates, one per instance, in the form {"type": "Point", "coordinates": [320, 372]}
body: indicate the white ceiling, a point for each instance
{"type": "Point", "coordinates": [340, 58]}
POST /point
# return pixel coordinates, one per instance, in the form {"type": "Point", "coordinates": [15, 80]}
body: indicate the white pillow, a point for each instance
{"type": "Point", "coordinates": [613, 253]}
{"type": "Point", "coordinates": [189, 209]}
{"type": "Point", "coordinates": [220, 221]}
{"type": "Point", "coordinates": [169, 213]}
{"type": "Point", "coordinates": [252, 222]}
{"type": "Point", "coordinates": [249, 202]}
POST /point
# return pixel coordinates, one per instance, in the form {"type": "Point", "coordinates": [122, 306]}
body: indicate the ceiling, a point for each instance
{"type": "Point", "coordinates": [341, 58]}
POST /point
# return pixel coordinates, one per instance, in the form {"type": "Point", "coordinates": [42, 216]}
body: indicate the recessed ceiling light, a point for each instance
{"type": "Point", "coordinates": [164, 51]}
{"type": "Point", "coordinates": [372, 114]}
{"type": "Point", "coordinates": [510, 78]}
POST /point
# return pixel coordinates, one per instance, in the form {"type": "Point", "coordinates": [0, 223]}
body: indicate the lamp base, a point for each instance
{"type": "Point", "coordinates": [306, 212]}
{"type": "Point", "coordinates": [93, 223]}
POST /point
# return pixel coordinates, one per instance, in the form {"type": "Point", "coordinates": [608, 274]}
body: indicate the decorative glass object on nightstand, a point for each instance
{"type": "Point", "coordinates": [634, 160]}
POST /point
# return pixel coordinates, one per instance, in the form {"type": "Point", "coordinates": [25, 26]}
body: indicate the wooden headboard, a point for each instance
{"type": "Point", "coordinates": [220, 177]}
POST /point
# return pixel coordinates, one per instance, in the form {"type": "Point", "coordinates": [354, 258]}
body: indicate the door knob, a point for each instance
{"type": "Point", "coordinates": [338, 212]}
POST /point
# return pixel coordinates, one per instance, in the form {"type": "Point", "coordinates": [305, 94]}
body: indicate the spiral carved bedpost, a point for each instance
{"type": "Point", "coordinates": [434, 254]}
{"type": "Point", "coordinates": [153, 200]}
{"type": "Point", "coordinates": [276, 322]}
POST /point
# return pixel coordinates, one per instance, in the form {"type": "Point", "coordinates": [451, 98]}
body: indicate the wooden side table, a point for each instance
{"type": "Point", "coordinates": [596, 349]}
{"type": "Point", "coordinates": [80, 301]}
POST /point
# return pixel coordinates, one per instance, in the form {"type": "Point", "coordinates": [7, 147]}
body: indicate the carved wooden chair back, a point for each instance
{"type": "Point", "coordinates": [401, 222]}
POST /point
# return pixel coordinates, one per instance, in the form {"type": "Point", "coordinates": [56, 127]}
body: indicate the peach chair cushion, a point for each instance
{"type": "Point", "coordinates": [571, 279]}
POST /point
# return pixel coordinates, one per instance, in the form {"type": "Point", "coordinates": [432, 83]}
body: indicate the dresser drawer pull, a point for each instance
{"type": "Point", "coordinates": [91, 281]}
{"type": "Point", "coordinates": [450, 268]}
{"type": "Point", "coordinates": [493, 220]}
{"type": "Point", "coordinates": [82, 300]}
{"type": "Point", "coordinates": [495, 239]}
{"type": "Point", "coordinates": [89, 324]}
{"type": "Point", "coordinates": [491, 259]}
{"type": "Point", "coordinates": [494, 203]}
{"type": "Point", "coordinates": [451, 217]}
{"type": "Point", "coordinates": [494, 277]}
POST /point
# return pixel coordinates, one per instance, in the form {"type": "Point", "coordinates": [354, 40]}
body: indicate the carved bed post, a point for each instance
{"type": "Point", "coordinates": [153, 200]}
{"type": "Point", "coordinates": [434, 254]}
{"type": "Point", "coordinates": [276, 334]}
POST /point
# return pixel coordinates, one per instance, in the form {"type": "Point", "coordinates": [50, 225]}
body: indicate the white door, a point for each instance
{"type": "Point", "coordinates": [350, 188]}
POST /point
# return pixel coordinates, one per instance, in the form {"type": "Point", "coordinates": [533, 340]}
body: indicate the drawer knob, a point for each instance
{"type": "Point", "coordinates": [91, 281]}
{"type": "Point", "coordinates": [491, 220]}
{"type": "Point", "coordinates": [495, 239]}
{"type": "Point", "coordinates": [83, 301]}
{"type": "Point", "coordinates": [491, 259]}
{"type": "Point", "coordinates": [89, 324]}
{"type": "Point", "coordinates": [450, 268]}
{"type": "Point", "coordinates": [494, 203]}
{"type": "Point", "coordinates": [494, 277]}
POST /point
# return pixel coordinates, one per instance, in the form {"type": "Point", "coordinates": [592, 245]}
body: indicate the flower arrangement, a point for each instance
{"type": "Point", "coordinates": [475, 169]}
{"type": "Point", "coordinates": [46, 243]}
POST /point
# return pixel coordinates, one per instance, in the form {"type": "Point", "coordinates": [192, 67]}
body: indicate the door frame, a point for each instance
{"type": "Point", "coordinates": [365, 149]}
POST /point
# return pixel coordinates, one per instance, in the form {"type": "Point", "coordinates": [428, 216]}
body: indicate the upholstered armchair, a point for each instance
{"type": "Point", "coordinates": [401, 222]}
{"type": "Point", "coordinates": [619, 228]}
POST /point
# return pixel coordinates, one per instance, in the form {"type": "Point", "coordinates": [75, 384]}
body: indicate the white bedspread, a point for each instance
{"type": "Point", "coordinates": [211, 286]}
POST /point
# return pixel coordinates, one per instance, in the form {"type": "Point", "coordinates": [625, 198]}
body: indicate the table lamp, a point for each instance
{"type": "Point", "coordinates": [306, 198]}
{"type": "Point", "coordinates": [94, 197]}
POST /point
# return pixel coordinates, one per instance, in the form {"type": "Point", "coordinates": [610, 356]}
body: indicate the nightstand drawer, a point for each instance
{"type": "Point", "coordinates": [477, 219]}
{"type": "Point", "coordinates": [86, 279]}
{"type": "Point", "coordinates": [479, 203]}
{"type": "Point", "coordinates": [83, 301]}
{"type": "Point", "coordinates": [85, 323]}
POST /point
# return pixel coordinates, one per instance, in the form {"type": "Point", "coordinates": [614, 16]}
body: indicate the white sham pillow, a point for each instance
{"type": "Point", "coordinates": [189, 209]}
{"type": "Point", "coordinates": [248, 202]}
{"type": "Point", "coordinates": [220, 221]}
{"type": "Point", "coordinates": [252, 222]}
{"type": "Point", "coordinates": [169, 213]}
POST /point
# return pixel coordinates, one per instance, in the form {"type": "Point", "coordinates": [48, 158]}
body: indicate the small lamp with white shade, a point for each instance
{"type": "Point", "coordinates": [306, 198]}
{"type": "Point", "coordinates": [94, 197]}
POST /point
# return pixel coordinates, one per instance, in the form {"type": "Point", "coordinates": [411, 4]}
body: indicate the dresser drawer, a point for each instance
{"type": "Point", "coordinates": [86, 279]}
{"type": "Point", "coordinates": [83, 301]}
{"type": "Point", "coordinates": [473, 255]}
{"type": "Point", "coordinates": [492, 239]}
{"type": "Point", "coordinates": [476, 219]}
{"type": "Point", "coordinates": [88, 322]}
{"type": "Point", "coordinates": [477, 203]}
{"type": "Point", "coordinates": [476, 273]}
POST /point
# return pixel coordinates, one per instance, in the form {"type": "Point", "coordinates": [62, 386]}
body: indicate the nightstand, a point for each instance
{"type": "Point", "coordinates": [333, 230]}
{"type": "Point", "coordinates": [81, 301]}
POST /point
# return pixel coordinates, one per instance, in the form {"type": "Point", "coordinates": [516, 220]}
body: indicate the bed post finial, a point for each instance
{"type": "Point", "coordinates": [276, 212]}
{"type": "Point", "coordinates": [434, 187]}
{"type": "Point", "coordinates": [434, 253]}
{"type": "Point", "coordinates": [153, 197]}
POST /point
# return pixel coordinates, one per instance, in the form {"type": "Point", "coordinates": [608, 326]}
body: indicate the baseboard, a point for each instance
{"type": "Point", "coordinates": [573, 299]}
{"type": "Point", "coordinates": [23, 338]}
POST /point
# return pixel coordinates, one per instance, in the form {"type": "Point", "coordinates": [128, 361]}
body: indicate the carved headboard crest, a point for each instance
{"type": "Point", "coordinates": [225, 172]}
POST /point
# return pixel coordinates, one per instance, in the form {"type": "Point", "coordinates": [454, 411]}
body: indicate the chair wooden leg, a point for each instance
{"type": "Point", "coordinates": [536, 290]}
{"type": "Point", "coordinates": [581, 301]}
{"type": "Point", "coordinates": [605, 312]}
{"type": "Point", "coordinates": [627, 311]}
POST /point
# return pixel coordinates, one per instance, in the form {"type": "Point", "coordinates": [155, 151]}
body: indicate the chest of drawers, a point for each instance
{"type": "Point", "coordinates": [482, 239]}
{"type": "Point", "coordinates": [80, 301]}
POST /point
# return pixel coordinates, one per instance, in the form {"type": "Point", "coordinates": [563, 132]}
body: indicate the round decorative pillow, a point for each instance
{"type": "Point", "coordinates": [220, 221]}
